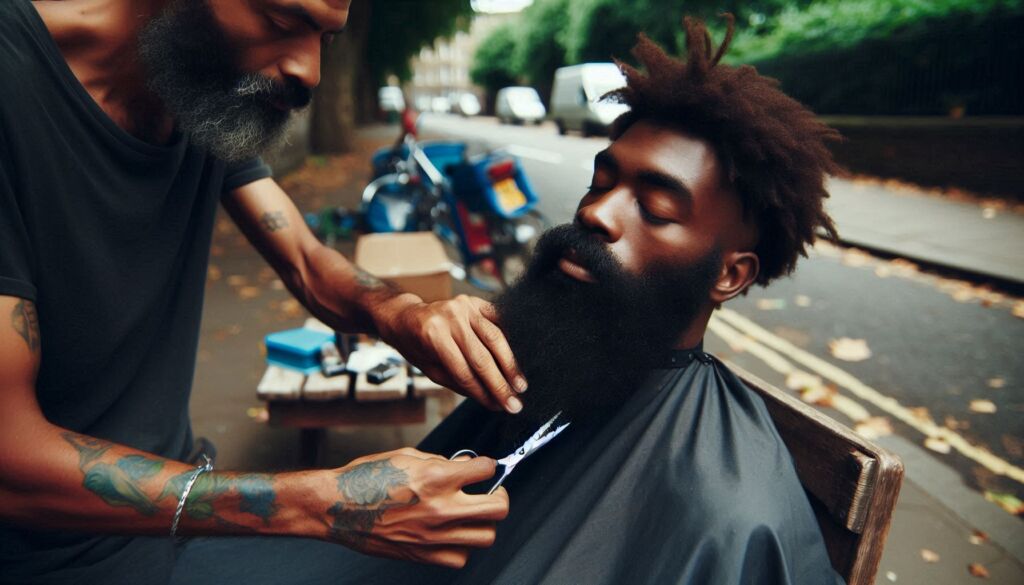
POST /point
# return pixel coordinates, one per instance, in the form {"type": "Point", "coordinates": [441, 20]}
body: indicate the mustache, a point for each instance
{"type": "Point", "coordinates": [290, 92]}
{"type": "Point", "coordinates": [587, 250]}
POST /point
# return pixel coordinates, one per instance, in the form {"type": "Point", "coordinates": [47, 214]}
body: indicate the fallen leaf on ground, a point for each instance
{"type": "Point", "coordinates": [1018, 309]}
{"type": "Point", "coordinates": [855, 257]}
{"type": "Point", "coordinates": [248, 292]}
{"type": "Point", "coordinates": [771, 304]}
{"type": "Point", "coordinates": [978, 570]}
{"type": "Point", "coordinates": [802, 301]}
{"type": "Point", "coordinates": [237, 280]}
{"type": "Point", "coordinates": [820, 395]}
{"type": "Point", "coordinates": [982, 406]}
{"type": "Point", "coordinates": [258, 413]}
{"type": "Point", "coordinates": [883, 271]}
{"type": "Point", "coordinates": [1008, 502]}
{"type": "Point", "coordinates": [988, 212]}
{"type": "Point", "coordinates": [929, 556]}
{"type": "Point", "coordinates": [216, 250]}
{"type": "Point", "coordinates": [996, 382]}
{"type": "Point", "coordinates": [801, 380]}
{"type": "Point", "coordinates": [938, 445]}
{"type": "Point", "coordinates": [276, 284]}
{"type": "Point", "coordinates": [850, 350]}
{"type": "Point", "coordinates": [891, 576]}
{"type": "Point", "coordinates": [956, 425]}
{"type": "Point", "coordinates": [921, 413]}
{"type": "Point", "coordinates": [874, 427]}
{"type": "Point", "coordinates": [213, 273]}
{"type": "Point", "coordinates": [978, 537]}
{"type": "Point", "coordinates": [291, 308]}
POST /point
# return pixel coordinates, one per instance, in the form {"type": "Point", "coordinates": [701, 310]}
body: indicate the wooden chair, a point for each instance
{"type": "Point", "coordinates": [852, 484]}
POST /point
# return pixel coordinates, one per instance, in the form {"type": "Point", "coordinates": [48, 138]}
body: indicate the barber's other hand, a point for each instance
{"type": "Point", "coordinates": [407, 504]}
{"type": "Point", "coordinates": [457, 343]}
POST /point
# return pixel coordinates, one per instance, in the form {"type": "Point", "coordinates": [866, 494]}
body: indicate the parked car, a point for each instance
{"type": "Point", "coordinates": [440, 105]}
{"type": "Point", "coordinates": [576, 93]}
{"type": "Point", "coordinates": [465, 104]}
{"type": "Point", "coordinates": [516, 105]}
{"type": "Point", "coordinates": [390, 99]}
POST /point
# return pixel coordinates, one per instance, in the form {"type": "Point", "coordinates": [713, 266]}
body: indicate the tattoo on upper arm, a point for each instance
{"type": "Point", "coordinates": [366, 495]}
{"type": "Point", "coordinates": [273, 221]}
{"type": "Point", "coordinates": [26, 323]}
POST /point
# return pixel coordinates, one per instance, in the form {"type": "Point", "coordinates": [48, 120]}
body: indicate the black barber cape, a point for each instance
{"type": "Point", "coordinates": [686, 483]}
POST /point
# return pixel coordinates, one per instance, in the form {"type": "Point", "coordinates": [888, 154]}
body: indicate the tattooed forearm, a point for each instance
{"type": "Point", "coordinates": [26, 323]}
{"type": "Point", "coordinates": [273, 221]}
{"type": "Point", "coordinates": [369, 281]}
{"type": "Point", "coordinates": [213, 492]}
{"type": "Point", "coordinates": [366, 492]}
{"type": "Point", "coordinates": [118, 483]}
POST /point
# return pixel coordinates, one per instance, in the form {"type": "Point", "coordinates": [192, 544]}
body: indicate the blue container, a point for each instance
{"type": "Point", "coordinates": [297, 349]}
{"type": "Point", "coordinates": [443, 154]}
{"type": "Point", "coordinates": [473, 184]}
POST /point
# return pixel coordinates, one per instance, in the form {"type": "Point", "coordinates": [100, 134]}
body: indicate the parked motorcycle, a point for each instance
{"type": "Point", "coordinates": [482, 206]}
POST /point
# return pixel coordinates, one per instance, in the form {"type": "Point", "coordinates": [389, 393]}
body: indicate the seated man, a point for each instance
{"type": "Point", "coordinates": [671, 470]}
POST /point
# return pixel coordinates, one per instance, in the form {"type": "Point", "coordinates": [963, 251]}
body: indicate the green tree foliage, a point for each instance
{"type": "Point", "coordinates": [936, 54]}
{"type": "Point", "coordinates": [400, 28]}
{"type": "Point", "coordinates": [493, 67]}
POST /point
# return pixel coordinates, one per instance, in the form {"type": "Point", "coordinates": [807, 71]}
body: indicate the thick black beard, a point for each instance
{"type": "Point", "coordinates": [585, 347]}
{"type": "Point", "coordinates": [194, 71]}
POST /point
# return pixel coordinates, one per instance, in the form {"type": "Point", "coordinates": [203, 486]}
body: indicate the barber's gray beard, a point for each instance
{"type": "Point", "coordinates": [221, 110]}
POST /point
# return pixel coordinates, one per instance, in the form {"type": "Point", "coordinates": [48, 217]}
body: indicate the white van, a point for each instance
{"type": "Point", "coordinates": [575, 95]}
{"type": "Point", "coordinates": [519, 104]}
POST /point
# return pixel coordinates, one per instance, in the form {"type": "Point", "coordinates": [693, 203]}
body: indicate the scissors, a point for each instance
{"type": "Point", "coordinates": [540, 438]}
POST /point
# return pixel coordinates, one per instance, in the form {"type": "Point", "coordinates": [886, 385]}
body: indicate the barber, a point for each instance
{"type": "Point", "coordinates": [122, 124]}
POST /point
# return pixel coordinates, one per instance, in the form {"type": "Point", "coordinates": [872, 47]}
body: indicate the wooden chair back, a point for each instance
{"type": "Point", "coordinates": [852, 483]}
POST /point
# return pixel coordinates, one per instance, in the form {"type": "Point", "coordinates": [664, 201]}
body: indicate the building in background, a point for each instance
{"type": "Point", "coordinates": [441, 72]}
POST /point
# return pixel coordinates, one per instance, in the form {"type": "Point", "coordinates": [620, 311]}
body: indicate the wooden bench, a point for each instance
{"type": "Point", "coordinates": [314, 403]}
{"type": "Point", "coordinates": [852, 484]}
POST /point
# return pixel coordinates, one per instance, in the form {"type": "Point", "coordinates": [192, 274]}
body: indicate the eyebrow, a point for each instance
{"type": "Point", "coordinates": [653, 178]}
{"type": "Point", "coordinates": [299, 11]}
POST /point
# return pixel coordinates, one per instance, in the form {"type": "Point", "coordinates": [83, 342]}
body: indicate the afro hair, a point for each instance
{"type": "Point", "coordinates": [773, 151]}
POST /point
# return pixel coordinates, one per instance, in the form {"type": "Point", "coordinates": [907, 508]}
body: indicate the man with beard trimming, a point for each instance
{"type": "Point", "coordinates": [671, 470]}
{"type": "Point", "coordinates": [122, 124]}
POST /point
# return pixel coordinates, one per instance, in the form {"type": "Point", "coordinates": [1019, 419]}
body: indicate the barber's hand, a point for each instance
{"type": "Point", "coordinates": [409, 505]}
{"type": "Point", "coordinates": [456, 343]}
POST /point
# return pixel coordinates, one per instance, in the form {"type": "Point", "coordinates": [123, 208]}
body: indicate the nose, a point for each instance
{"type": "Point", "coordinates": [303, 62]}
{"type": "Point", "coordinates": [600, 215]}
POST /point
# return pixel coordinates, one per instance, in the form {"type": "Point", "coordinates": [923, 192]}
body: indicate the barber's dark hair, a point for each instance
{"type": "Point", "coordinates": [773, 151]}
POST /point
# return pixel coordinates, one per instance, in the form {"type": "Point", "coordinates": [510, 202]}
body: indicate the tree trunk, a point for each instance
{"type": "Point", "coordinates": [336, 107]}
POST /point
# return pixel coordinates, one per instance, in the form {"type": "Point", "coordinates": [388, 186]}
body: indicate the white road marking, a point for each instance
{"type": "Point", "coordinates": [760, 336]}
{"type": "Point", "coordinates": [545, 156]}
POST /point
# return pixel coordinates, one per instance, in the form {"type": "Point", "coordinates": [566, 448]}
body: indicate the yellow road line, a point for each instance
{"type": "Point", "coordinates": [740, 342]}
{"type": "Point", "coordinates": [861, 390]}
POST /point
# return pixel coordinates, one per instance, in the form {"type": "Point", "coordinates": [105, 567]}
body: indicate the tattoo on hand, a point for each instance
{"type": "Point", "coordinates": [366, 492]}
{"type": "Point", "coordinates": [273, 221]}
{"type": "Point", "coordinates": [26, 323]}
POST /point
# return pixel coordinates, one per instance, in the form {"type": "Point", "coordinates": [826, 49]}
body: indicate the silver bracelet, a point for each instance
{"type": "Point", "coordinates": [207, 465]}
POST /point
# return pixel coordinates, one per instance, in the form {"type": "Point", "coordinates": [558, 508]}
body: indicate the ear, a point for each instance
{"type": "Point", "coordinates": [739, 270]}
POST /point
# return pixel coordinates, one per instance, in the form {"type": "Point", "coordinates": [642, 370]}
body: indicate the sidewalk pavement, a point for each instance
{"type": "Point", "coordinates": [930, 229]}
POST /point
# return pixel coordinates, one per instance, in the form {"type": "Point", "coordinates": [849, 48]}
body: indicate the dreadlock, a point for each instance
{"type": "Point", "coordinates": [773, 150]}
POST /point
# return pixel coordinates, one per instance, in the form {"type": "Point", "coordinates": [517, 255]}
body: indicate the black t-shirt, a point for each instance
{"type": "Point", "coordinates": [109, 236]}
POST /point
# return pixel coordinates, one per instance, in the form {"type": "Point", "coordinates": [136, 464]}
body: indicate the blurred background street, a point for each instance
{"type": "Point", "coordinates": [909, 330]}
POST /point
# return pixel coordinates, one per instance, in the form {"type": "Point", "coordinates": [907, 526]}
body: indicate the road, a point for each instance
{"type": "Point", "coordinates": [937, 346]}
